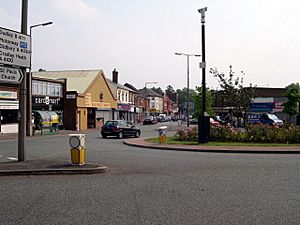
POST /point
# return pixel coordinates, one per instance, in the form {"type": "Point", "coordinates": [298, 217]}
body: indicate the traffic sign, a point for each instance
{"type": "Point", "coordinates": [10, 75]}
{"type": "Point", "coordinates": [15, 49]}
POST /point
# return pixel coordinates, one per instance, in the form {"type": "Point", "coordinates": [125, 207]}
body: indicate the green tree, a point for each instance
{"type": "Point", "coordinates": [158, 91]}
{"type": "Point", "coordinates": [235, 95]}
{"type": "Point", "coordinates": [291, 107]}
{"type": "Point", "coordinates": [170, 92]}
{"type": "Point", "coordinates": [198, 102]}
{"type": "Point", "coordinates": [182, 98]}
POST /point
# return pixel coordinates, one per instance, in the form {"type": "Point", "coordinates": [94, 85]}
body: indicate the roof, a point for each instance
{"type": "Point", "coordinates": [113, 86]}
{"type": "Point", "coordinates": [130, 86]}
{"type": "Point", "coordinates": [149, 93]}
{"type": "Point", "coordinates": [77, 80]}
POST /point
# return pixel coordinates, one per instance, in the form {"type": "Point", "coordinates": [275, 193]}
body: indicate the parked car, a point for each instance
{"type": "Point", "coordinates": [149, 120]}
{"type": "Point", "coordinates": [120, 129]}
{"type": "Point", "coordinates": [271, 119]}
{"type": "Point", "coordinates": [264, 118]}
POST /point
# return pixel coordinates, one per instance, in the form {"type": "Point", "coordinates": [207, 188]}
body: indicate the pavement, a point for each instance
{"type": "Point", "coordinates": [45, 166]}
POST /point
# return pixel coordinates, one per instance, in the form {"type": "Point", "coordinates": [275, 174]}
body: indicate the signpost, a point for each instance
{"type": "Point", "coordinates": [10, 75]}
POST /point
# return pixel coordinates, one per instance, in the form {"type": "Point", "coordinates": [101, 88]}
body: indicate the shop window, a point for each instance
{"type": "Point", "coordinates": [51, 89]}
{"type": "Point", "coordinates": [44, 88]}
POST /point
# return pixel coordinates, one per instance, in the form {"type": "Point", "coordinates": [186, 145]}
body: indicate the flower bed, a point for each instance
{"type": "Point", "coordinates": [251, 133]}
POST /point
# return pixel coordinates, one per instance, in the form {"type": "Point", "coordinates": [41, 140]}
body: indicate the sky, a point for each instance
{"type": "Point", "coordinates": [139, 39]}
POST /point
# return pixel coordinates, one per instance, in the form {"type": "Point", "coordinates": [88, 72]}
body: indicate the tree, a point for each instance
{"type": "Point", "coordinates": [182, 99]}
{"type": "Point", "coordinates": [291, 107]}
{"type": "Point", "coordinates": [235, 95]}
{"type": "Point", "coordinates": [170, 92]}
{"type": "Point", "coordinates": [198, 102]}
{"type": "Point", "coordinates": [158, 91]}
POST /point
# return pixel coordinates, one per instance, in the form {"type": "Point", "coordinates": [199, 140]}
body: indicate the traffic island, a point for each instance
{"type": "Point", "coordinates": [48, 167]}
{"type": "Point", "coordinates": [143, 143]}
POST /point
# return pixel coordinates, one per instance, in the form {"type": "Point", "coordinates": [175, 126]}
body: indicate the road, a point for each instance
{"type": "Point", "coordinates": [148, 186]}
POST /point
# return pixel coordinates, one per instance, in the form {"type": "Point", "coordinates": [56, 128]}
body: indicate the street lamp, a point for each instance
{"type": "Point", "coordinates": [203, 123]}
{"type": "Point", "coordinates": [188, 85]}
{"type": "Point", "coordinates": [149, 82]}
{"type": "Point", "coordinates": [29, 83]}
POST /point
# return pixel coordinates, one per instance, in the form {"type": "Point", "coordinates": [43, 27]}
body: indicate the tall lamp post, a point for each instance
{"type": "Point", "coordinates": [203, 124]}
{"type": "Point", "coordinates": [148, 82]}
{"type": "Point", "coordinates": [188, 85]}
{"type": "Point", "coordinates": [29, 84]}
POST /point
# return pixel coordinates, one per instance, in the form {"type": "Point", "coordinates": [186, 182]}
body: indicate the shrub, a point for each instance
{"type": "Point", "coordinates": [252, 133]}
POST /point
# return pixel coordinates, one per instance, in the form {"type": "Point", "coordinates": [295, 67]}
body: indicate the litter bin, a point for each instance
{"type": "Point", "coordinates": [162, 132]}
{"type": "Point", "coordinates": [77, 143]}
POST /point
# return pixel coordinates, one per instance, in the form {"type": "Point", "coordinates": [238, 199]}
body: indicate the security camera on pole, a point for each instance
{"type": "Point", "coordinates": [203, 122]}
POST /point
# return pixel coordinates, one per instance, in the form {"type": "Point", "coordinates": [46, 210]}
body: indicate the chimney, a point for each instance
{"type": "Point", "coordinates": [115, 76]}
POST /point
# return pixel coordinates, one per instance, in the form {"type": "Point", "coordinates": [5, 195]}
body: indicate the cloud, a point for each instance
{"type": "Point", "coordinates": [78, 10]}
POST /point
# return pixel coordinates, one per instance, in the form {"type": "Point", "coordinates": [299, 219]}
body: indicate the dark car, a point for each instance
{"type": "Point", "coordinates": [120, 129]}
{"type": "Point", "coordinates": [149, 120]}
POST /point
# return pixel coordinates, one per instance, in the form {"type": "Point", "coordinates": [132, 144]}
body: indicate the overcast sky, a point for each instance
{"type": "Point", "coordinates": [139, 38]}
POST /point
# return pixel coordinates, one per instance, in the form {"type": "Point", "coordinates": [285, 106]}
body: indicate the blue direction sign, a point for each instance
{"type": "Point", "coordinates": [10, 75]}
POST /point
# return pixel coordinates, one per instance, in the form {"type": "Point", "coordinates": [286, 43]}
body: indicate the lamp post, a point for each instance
{"type": "Point", "coordinates": [203, 124]}
{"type": "Point", "coordinates": [29, 83]}
{"type": "Point", "coordinates": [148, 82]}
{"type": "Point", "coordinates": [188, 85]}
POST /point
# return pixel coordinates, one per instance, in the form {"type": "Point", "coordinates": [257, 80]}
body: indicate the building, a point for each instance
{"type": "Point", "coordinates": [89, 101]}
{"type": "Point", "coordinates": [156, 101]}
{"type": "Point", "coordinates": [125, 99]}
{"type": "Point", "coordinates": [9, 104]}
{"type": "Point", "coordinates": [49, 95]}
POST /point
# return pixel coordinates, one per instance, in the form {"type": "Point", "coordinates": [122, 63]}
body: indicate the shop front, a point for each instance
{"type": "Point", "coordinates": [123, 111]}
{"type": "Point", "coordinates": [9, 106]}
{"type": "Point", "coordinates": [51, 104]}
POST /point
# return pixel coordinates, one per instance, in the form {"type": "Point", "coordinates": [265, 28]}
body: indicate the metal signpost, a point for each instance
{"type": "Point", "coordinates": [14, 59]}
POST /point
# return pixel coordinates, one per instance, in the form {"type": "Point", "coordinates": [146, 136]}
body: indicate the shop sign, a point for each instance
{"type": "Point", "coordinates": [71, 96]}
{"type": "Point", "coordinates": [261, 107]}
{"type": "Point", "coordinates": [123, 107]}
{"type": "Point", "coordinates": [8, 94]}
{"type": "Point", "coordinates": [103, 105]}
{"type": "Point", "coordinates": [10, 75]}
{"type": "Point", "coordinates": [9, 106]}
{"type": "Point", "coordinates": [88, 100]}
{"type": "Point", "coordinates": [15, 48]}
{"type": "Point", "coordinates": [46, 100]}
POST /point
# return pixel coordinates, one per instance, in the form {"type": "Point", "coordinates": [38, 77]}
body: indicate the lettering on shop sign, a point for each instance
{"type": "Point", "coordinates": [46, 100]}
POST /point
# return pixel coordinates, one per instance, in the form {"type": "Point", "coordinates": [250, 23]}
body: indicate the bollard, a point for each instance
{"type": "Point", "coordinates": [162, 132]}
{"type": "Point", "coordinates": [77, 143]}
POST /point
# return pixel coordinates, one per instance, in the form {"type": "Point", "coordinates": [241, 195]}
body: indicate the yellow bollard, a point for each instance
{"type": "Point", "coordinates": [77, 143]}
{"type": "Point", "coordinates": [162, 132]}
{"type": "Point", "coordinates": [78, 156]}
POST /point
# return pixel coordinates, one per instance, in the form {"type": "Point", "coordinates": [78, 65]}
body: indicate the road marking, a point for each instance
{"type": "Point", "coordinates": [1, 156]}
{"type": "Point", "coordinates": [12, 158]}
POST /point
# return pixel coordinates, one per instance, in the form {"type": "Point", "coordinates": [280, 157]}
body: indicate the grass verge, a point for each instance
{"type": "Point", "coordinates": [173, 141]}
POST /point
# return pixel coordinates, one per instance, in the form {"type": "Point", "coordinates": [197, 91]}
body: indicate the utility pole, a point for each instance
{"type": "Point", "coordinates": [203, 123]}
{"type": "Point", "coordinates": [22, 93]}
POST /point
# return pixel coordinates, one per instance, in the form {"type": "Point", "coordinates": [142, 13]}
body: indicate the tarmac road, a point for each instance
{"type": "Point", "coordinates": [148, 186]}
